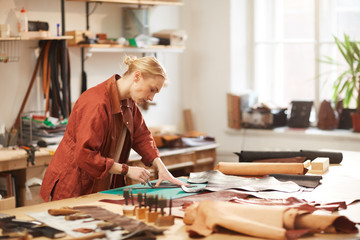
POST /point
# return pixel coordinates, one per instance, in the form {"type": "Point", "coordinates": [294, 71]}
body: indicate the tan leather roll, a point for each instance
{"type": "Point", "coordinates": [260, 169]}
{"type": "Point", "coordinates": [269, 222]}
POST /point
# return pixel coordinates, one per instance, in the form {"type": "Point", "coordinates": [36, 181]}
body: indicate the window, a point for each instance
{"type": "Point", "coordinates": [289, 36]}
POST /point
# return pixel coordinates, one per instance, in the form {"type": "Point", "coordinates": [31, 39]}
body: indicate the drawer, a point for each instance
{"type": "Point", "coordinates": [177, 159]}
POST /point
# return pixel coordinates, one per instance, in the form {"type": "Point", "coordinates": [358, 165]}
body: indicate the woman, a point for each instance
{"type": "Point", "coordinates": [104, 125]}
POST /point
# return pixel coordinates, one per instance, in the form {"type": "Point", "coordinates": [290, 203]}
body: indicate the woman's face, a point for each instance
{"type": "Point", "coordinates": [144, 89]}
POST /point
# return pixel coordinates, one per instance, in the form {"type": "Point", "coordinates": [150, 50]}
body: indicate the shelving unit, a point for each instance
{"type": "Point", "coordinates": [36, 38]}
{"type": "Point", "coordinates": [114, 48]}
{"type": "Point", "coordinates": [103, 48]}
{"type": "Point", "coordinates": [136, 2]}
{"type": "Point", "coordinates": [9, 46]}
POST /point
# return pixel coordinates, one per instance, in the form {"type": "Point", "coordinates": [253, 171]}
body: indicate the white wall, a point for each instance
{"type": "Point", "coordinates": [15, 76]}
{"type": "Point", "coordinates": [206, 63]}
{"type": "Point", "coordinates": [218, 60]}
{"type": "Point", "coordinates": [216, 56]}
{"type": "Point", "coordinates": [207, 67]}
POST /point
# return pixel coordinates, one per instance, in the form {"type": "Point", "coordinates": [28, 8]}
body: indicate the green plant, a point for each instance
{"type": "Point", "coordinates": [348, 82]}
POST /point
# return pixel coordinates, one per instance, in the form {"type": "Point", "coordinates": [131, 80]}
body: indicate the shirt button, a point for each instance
{"type": "Point", "coordinates": [127, 122]}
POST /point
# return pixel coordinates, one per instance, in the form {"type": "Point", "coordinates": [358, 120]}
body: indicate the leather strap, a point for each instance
{"type": "Point", "coordinates": [46, 76]}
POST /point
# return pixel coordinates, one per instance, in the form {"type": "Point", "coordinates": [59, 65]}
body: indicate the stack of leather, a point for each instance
{"type": "Point", "coordinates": [270, 222]}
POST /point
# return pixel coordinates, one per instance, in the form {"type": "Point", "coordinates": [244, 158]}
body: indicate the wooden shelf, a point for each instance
{"type": "Point", "coordinates": [137, 2]}
{"type": "Point", "coordinates": [36, 38]}
{"type": "Point", "coordinates": [104, 48]}
{"type": "Point", "coordinates": [10, 38]}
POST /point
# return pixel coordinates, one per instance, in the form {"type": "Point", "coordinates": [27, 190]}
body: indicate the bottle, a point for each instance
{"type": "Point", "coordinates": [23, 21]}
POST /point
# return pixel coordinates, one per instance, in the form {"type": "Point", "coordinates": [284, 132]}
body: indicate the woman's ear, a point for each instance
{"type": "Point", "coordinates": [137, 76]}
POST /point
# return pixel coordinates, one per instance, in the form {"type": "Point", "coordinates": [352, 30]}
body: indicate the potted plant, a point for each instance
{"type": "Point", "coordinates": [347, 84]}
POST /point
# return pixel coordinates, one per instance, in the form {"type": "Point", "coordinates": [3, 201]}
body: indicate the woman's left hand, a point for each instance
{"type": "Point", "coordinates": [165, 175]}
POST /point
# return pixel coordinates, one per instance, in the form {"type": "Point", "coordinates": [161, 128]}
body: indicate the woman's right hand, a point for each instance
{"type": "Point", "coordinates": [139, 174]}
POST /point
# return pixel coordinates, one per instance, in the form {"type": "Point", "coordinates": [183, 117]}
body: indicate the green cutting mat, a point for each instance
{"type": "Point", "coordinates": [164, 192]}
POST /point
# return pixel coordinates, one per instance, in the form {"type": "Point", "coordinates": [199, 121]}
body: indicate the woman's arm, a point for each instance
{"type": "Point", "coordinates": [137, 173]}
{"type": "Point", "coordinates": [164, 174]}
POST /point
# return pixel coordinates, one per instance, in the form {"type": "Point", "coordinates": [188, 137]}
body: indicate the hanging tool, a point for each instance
{"type": "Point", "coordinates": [30, 150]}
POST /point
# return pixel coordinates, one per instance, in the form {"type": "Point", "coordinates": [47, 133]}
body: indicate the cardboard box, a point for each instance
{"type": "Point", "coordinates": [31, 177]}
{"type": "Point", "coordinates": [24, 175]}
{"type": "Point", "coordinates": [31, 196]}
{"type": "Point", "coordinates": [172, 37]}
{"type": "Point", "coordinates": [78, 36]}
{"type": "Point", "coordinates": [7, 203]}
{"type": "Point", "coordinates": [234, 111]}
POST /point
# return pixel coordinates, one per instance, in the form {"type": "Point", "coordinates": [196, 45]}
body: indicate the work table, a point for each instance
{"type": "Point", "coordinates": [341, 182]}
{"type": "Point", "coordinates": [179, 161]}
{"type": "Point", "coordinates": [16, 159]}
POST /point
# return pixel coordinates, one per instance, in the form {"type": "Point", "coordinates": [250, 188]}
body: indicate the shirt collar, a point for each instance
{"type": "Point", "coordinates": [113, 91]}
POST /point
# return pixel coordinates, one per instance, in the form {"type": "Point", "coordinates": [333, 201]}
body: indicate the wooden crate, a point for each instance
{"type": "Point", "coordinates": [7, 203]}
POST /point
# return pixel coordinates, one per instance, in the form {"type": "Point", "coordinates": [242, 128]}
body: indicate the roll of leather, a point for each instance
{"type": "Point", "coordinates": [250, 156]}
{"type": "Point", "coordinates": [334, 157]}
{"type": "Point", "coordinates": [283, 160]}
{"type": "Point", "coordinates": [260, 169]}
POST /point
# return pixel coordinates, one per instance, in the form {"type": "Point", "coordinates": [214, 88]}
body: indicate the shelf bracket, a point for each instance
{"type": "Point", "coordinates": [87, 15]}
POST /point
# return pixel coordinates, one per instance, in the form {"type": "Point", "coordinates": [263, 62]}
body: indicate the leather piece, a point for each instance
{"type": "Point", "coordinates": [206, 216]}
{"type": "Point", "coordinates": [328, 118]}
{"type": "Point", "coordinates": [280, 222]}
{"type": "Point", "coordinates": [128, 224]}
{"type": "Point", "coordinates": [260, 169]}
{"type": "Point", "coordinates": [283, 160]}
{"type": "Point", "coordinates": [249, 156]}
{"type": "Point", "coordinates": [217, 181]}
{"type": "Point", "coordinates": [293, 203]}
{"type": "Point", "coordinates": [309, 181]}
{"type": "Point", "coordinates": [224, 195]}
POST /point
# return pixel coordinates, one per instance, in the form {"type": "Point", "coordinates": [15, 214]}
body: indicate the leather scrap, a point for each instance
{"type": "Point", "coordinates": [310, 181]}
{"type": "Point", "coordinates": [217, 181]}
{"type": "Point", "coordinates": [223, 195]}
{"type": "Point", "coordinates": [293, 202]}
{"type": "Point", "coordinates": [206, 217]}
{"type": "Point", "coordinates": [126, 223]}
{"type": "Point", "coordinates": [84, 230]}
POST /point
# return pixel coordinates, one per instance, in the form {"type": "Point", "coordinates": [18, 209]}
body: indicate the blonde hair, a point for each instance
{"type": "Point", "coordinates": [148, 66]}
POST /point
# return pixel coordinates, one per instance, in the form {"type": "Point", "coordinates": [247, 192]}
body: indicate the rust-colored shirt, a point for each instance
{"type": "Point", "coordinates": [86, 152]}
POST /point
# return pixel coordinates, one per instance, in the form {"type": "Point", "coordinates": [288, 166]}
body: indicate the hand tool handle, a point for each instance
{"type": "Point", "coordinates": [59, 212]}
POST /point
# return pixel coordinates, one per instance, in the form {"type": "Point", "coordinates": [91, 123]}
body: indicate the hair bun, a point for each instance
{"type": "Point", "coordinates": [129, 60]}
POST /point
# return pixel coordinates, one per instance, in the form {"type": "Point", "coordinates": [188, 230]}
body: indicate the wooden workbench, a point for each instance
{"type": "Point", "coordinates": [179, 162]}
{"type": "Point", "coordinates": [341, 182]}
{"type": "Point", "coordinates": [16, 159]}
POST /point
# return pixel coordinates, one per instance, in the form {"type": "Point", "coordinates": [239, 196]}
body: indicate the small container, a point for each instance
{"type": "Point", "coordinates": [23, 21]}
{"type": "Point", "coordinates": [4, 30]}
